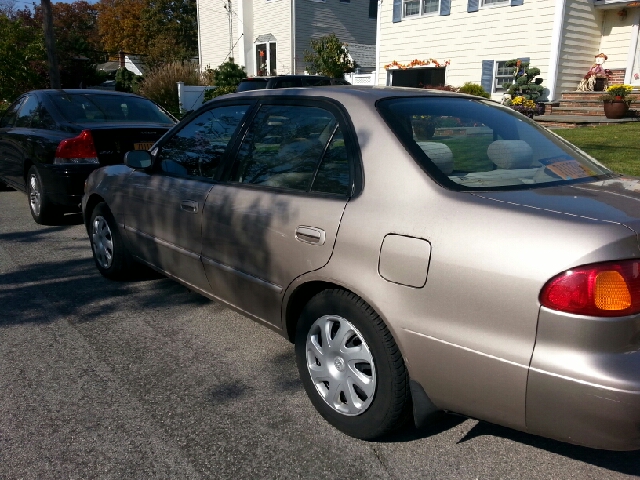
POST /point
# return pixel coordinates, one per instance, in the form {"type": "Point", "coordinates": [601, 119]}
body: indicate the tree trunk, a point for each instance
{"type": "Point", "coordinates": [50, 43]}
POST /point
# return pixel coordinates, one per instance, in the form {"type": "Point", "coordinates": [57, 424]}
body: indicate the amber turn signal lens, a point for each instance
{"type": "Point", "coordinates": [611, 292]}
{"type": "Point", "coordinates": [608, 289]}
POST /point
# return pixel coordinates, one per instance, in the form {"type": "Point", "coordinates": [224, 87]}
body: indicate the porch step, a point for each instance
{"type": "Point", "coordinates": [591, 110]}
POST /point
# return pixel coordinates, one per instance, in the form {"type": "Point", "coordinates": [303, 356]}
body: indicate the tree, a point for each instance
{"type": "Point", "coordinates": [526, 84]}
{"type": "Point", "coordinates": [329, 57]}
{"type": "Point", "coordinates": [172, 30]}
{"type": "Point", "coordinates": [120, 26]}
{"type": "Point", "coordinates": [22, 58]}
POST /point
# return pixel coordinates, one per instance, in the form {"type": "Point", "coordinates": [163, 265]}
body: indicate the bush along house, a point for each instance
{"type": "Point", "coordinates": [435, 42]}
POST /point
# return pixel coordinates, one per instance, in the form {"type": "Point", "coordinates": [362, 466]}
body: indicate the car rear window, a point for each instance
{"type": "Point", "coordinates": [468, 144]}
{"type": "Point", "coordinates": [246, 85]}
{"type": "Point", "coordinates": [90, 108]}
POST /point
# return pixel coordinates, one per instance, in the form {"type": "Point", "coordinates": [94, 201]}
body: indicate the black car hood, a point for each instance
{"type": "Point", "coordinates": [613, 200]}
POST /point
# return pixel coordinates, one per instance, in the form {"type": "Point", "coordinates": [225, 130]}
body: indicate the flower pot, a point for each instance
{"type": "Point", "coordinates": [615, 108]}
{"type": "Point", "coordinates": [599, 85]}
{"type": "Point", "coordinates": [423, 130]}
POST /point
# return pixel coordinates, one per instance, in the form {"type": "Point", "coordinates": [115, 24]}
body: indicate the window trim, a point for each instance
{"type": "Point", "coordinates": [494, 3]}
{"type": "Point", "coordinates": [268, 59]}
{"type": "Point", "coordinates": [421, 12]}
{"type": "Point", "coordinates": [495, 88]}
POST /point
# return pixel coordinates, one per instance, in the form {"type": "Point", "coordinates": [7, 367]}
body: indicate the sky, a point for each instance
{"type": "Point", "coordinates": [20, 4]}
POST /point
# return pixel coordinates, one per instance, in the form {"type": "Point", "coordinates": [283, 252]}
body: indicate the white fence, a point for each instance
{"type": "Point", "coordinates": [360, 78]}
{"type": "Point", "coordinates": [191, 97]}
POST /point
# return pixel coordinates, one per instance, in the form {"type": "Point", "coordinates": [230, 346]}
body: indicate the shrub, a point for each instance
{"type": "Point", "coordinates": [127, 81]}
{"type": "Point", "coordinates": [216, 92]}
{"type": "Point", "coordinates": [160, 84]}
{"type": "Point", "coordinates": [329, 56]}
{"type": "Point", "coordinates": [474, 89]}
{"type": "Point", "coordinates": [444, 88]}
{"type": "Point", "coordinates": [525, 82]}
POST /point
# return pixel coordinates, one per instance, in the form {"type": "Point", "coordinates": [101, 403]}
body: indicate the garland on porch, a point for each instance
{"type": "Point", "coordinates": [416, 63]}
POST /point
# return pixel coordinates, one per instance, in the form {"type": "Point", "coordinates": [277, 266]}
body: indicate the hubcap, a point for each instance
{"type": "Point", "coordinates": [34, 195]}
{"type": "Point", "coordinates": [102, 242]}
{"type": "Point", "coordinates": [341, 365]}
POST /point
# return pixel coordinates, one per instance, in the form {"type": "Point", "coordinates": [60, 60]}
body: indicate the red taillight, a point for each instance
{"type": "Point", "coordinates": [610, 289]}
{"type": "Point", "coordinates": [80, 149]}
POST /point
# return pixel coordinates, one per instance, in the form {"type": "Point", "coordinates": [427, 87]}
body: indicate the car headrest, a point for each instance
{"type": "Point", "coordinates": [510, 154]}
{"type": "Point", "coordinates": [440, 154]}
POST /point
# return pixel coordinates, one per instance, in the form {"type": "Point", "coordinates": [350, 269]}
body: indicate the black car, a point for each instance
{"type": "Point", "coordinates": [51, 140]}
{"type": "Point", "coordinates": [289, 81]}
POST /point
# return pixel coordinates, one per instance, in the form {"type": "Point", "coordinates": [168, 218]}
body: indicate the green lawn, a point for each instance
{"type": "Point", "coordinates": [616, 146]}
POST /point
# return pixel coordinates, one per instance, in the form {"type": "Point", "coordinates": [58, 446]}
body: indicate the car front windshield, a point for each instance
{"type": "Point", "coordinates": [100, 108]}
{"type": "Point", "coordinates": [469, 144]}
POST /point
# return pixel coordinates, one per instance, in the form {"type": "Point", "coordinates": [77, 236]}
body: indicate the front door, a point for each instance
{"type": "Point", "coordinates": [164, 206]}
{"type": "Point", "coordinates": [277, 214]}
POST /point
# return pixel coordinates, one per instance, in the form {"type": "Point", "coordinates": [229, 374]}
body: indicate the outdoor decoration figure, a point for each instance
{"type": "Point", "coordinates": [597, 71]}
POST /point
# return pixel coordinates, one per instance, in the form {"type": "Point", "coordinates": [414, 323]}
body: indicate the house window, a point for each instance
{"type": "Point", "coordinates": [502, 75]}
{"type": "Point", "coordinates": [493, 2]}
{"type": "Point", "coordinates": [373, 8]}
{"type": "Point", "coordinates": [412, 8]}
{"type": "Point", "coordinates": [266, 59]}
{"type": "Point", "coordinates": [345, 1]}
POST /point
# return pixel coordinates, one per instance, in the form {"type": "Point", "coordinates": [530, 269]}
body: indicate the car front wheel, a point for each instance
{"type": "Point", "coordinates": [109, 253]}
{"type": "Point", "coordinates": [350, 365]}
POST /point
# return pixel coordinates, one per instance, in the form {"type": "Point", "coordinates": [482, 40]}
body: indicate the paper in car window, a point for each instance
{"type": "Point", "coordinates": [568, 170]}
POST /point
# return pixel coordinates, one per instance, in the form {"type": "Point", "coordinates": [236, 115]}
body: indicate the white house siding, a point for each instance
{"type": "Point", "coordinates": [213, 32]}
{"type": "Point", "coordinates": [466, 39]}
{"type": "Point", "coordinates": [581, 39]}
{"type": "Point", "coordinates": [350, 22]}
{"type": "Point", "coordinates": [274, 17]}
{"type": "Point", "coordinates": [616, 37]}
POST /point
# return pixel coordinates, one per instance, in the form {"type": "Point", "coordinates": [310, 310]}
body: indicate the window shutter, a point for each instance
{"type": "Point", "coordinates": [472, 6]}
{"type": "Point", "coordinates": [487, 76]}
{"type": "Point", "coordinates": [397, 11]}
{"type": "Point", "coordinates": [445, 7]}
{"type": "Point", "coordinates": [516, 3]}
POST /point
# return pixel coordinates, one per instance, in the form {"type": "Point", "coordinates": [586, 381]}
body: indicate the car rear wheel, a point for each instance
{"type": "Point", "coordinates": [42, 210]}
{"type": "Point", "coordinates": [350, 365]}
{"type": "Point", "coordinates": [111, 256]}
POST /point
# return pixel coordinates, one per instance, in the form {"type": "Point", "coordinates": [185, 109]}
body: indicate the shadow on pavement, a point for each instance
{"type": "Point", "coordinates": [74, 287]}
{"type": "Point", "coordinates": [623, 462]}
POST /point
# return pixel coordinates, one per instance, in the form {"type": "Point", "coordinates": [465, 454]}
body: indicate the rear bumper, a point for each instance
{"type": "Point", "coordinates": [584, 381]}
{"type": "Point", "coordinates": [64, 184]}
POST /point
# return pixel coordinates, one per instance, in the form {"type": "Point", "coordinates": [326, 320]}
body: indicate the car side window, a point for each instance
{"type": "Point", "coordinates": [29, 107]}
{"type": "Point", "coordinates": [283, 146]}
{"type": "Point", "coordinates": [197, 149]}
{"type": "Point", "coordinates": [9, 116]}
{"type": "Point", "coordinates": [333, 175]}
{"type": "Point", "coordinates": [42, 119]}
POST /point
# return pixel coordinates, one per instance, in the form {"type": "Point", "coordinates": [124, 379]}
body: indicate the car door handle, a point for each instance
{"type": "Point", "coordinates": [189, 206]}
{"type": "Point", "coordinates": [313, 235]}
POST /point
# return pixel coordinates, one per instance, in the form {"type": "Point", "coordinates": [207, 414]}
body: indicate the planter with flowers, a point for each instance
{"type": "Point", "coordinates": [525, 106]}
{"type": "Point", "coordinates": [615, 102]}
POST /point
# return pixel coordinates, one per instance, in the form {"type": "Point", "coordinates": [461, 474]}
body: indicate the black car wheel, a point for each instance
{"type": "Point", "coordinates": [350, 365]}
{"type": "Point", "coordinates": [111, 256]}
{"type": "Point", "coordinates": [42, 210]}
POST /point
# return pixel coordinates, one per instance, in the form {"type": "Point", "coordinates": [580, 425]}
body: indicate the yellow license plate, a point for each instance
{"type": "Point", "coordinates": [142, 145]}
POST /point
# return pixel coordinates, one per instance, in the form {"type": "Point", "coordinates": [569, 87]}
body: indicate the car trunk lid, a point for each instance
{"type": "Point", "coordinates": [113, 141]}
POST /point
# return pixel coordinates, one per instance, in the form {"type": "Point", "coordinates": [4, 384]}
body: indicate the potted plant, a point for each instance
{"type": "Point", "coordinates": [423, 127]}
{"type": "Point", "coordinates": [615, 101]}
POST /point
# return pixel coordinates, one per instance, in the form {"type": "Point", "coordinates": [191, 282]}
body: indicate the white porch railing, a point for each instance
{"type": "Point", "coordinates": [361, 78]}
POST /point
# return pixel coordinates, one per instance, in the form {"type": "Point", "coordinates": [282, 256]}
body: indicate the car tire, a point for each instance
{"type": "Point", "coordinates": [350, 366]}
{"type": "Point", "coordinates": [109, 252]}
{"type": "Point", "coordinates": [41, 208]}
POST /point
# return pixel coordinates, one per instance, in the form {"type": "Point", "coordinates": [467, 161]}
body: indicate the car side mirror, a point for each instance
{"type": "Point", "coordinates": [137, 159]}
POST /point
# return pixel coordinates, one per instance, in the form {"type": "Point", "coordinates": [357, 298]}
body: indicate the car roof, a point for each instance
{"type": "Point", "coordinates": [364, 93]}
{"type": "Point", "coordinates": [85, 91]}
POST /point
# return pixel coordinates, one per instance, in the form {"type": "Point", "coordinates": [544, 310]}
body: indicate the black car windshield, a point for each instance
{"type": "Point", "coordinates": [468, 144]}
{"type": "Point", "coordinates": [97, 108]}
